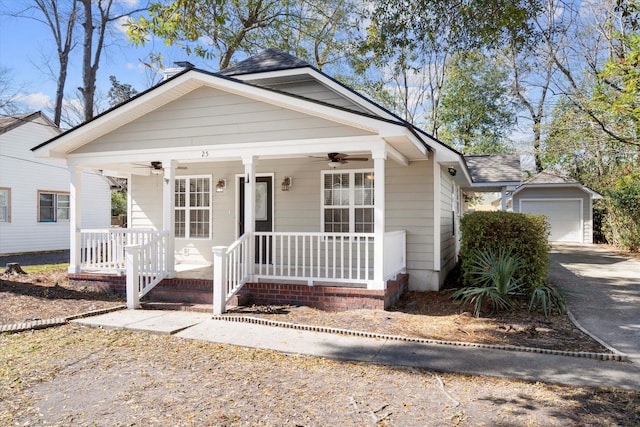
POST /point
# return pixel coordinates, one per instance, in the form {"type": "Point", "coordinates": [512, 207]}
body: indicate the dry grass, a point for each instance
{"type": "Point", "coordinates": [78, 376]}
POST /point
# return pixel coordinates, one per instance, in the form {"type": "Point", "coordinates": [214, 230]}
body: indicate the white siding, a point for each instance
{"type": "Point", "coordinates": [448, 255]}
{"type": "Point", "coordinates": [208, 116]}
{"type": "Point", "coordinates": [315, 90]}
{"type": "Point", "coordinates": [560, 193]}
{"type": "Point", "coordinates": [25, 174]}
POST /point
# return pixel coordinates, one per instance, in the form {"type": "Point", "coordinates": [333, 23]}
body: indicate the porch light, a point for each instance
{"type": "Point", "coordinates": [452, 171]}
{"type": "Point", "coordinates": [286, 183]}
{"type": "Point", "coordinates": [221, 185]}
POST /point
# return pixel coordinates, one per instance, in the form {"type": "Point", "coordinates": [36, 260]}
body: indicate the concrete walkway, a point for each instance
{"type": "Point", "coordinates": [528, 366]}
{"type": "Point", "coordinates": [604, 293]}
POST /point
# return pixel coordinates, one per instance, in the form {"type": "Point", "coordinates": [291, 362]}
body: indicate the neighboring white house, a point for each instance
{"type": "Point", "coordinates": [34, 192]}
{"type": "Point", "coordinates": [273, 156]}
{"type": "Point", "coordinates": [567, 204]}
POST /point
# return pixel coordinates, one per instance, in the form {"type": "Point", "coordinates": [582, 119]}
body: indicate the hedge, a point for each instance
{"type": "Point", "coordinates": [525, 235]}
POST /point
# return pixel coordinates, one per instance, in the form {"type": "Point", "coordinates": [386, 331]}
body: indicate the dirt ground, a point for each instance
{"type": "Point", "coordinates": [71, 375]}
{"type": "Point", "coordinates": [418, 314]}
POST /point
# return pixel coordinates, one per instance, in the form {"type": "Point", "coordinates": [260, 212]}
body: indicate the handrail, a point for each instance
{"type": "Point", "coordinates": [146, 265]}
{"type": "Point", "coordinates": [230, 270]}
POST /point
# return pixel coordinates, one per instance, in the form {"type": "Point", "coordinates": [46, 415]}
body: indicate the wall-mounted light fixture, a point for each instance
{"type": "Point", "coordinates": [221, 185]}
{"type": "Point", "coordinates": [286, 183]}
{"type": "Point", "coordinates": [452, 171]}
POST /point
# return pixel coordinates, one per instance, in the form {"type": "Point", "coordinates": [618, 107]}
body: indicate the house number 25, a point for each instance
{"type": "Point", "coordinates": [205, 154]}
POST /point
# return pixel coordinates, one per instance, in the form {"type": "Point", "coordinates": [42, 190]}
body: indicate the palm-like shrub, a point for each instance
{"type": "Point", "coordinates": [493, 278]}
{"type": "Point", "coordinates": [548, 299]}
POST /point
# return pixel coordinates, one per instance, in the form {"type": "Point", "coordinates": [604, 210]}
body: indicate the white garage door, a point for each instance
{"type": "Point", "coordinates": [565, 217]}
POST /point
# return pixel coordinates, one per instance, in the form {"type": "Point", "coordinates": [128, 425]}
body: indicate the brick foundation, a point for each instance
{"type": "Point", "coordinates": [200, 291]}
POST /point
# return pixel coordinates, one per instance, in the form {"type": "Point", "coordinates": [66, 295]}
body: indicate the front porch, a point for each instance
{"type": "Point", "coordinates": [331, 271]}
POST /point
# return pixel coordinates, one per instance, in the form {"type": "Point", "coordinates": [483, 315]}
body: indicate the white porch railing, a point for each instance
{"type": "Point", "coordinates": [103, 249]}
{"type": "Point", "coordinates": [335, 257]}
{"type": "Point", "coordinates": [309, 257]}
{"type": "Point", "coordinates": [146, 266]}
{"type": "Point", "coordinates": [395, 254]}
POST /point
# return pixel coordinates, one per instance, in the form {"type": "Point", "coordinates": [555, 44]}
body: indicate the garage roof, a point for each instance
{"type": "Point", "coordinates": [494, 168]}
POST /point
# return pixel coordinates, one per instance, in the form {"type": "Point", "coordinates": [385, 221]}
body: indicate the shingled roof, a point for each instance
{"type": "Point", "coordinates": [549, 176]}
{"type": "Point", "coordinates": [486, 168]}
{"type": "Point", "coordinates": [269, 60]}
{"type": "Point", "coordinates": [8, 123]}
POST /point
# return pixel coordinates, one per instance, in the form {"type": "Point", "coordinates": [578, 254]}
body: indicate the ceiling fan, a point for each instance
{"type": "Point", "coordinates": [337, 159]}
{"type": "Point", "coordinates": [156, 167]}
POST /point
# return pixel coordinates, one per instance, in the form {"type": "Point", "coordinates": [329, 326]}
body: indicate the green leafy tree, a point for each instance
{"type": "Point", "coordinates": [215, 29]}
{"type": "Point", "coordinates": [477, 111]}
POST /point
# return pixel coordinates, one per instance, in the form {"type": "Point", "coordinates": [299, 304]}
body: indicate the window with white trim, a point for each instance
{"type": "Point", "coordinates": [5, 205]}
{"type": "Point", "coordinates": [53, 206]}
{"type": "Point", "coordinates": [348, 201]}
{"type": "Point", "coordinates": [193, 207]}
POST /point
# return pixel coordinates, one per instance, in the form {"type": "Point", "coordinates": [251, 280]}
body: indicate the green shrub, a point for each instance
{"type": "Point", "coordinates": [622, 224]}
{"type": "Point", "coordinates": [548, 299]}
{"type": "Point", "coordinates": [524, 236]}
{"type": "Point", "coordinates": [493, 277]}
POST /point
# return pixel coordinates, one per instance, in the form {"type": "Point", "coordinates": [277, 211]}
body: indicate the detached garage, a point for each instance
{"type": "Point", "coordinates": [566, 203]}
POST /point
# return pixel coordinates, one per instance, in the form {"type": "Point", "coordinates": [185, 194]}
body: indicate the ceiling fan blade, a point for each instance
{"type": "Point", "coordinates": [357, 159]}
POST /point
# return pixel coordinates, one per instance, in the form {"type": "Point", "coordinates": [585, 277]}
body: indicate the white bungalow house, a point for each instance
{"type": "Point", "coordinates": [288, 183]}
{"type": "Point", "coordinates": [34, 192]}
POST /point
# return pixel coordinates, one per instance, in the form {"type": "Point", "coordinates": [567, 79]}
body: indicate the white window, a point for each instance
{"type": "Point", "coordinates": [53, 206]}
{"type": "Point", "coordinates": [5, 205]}
{"type": "Point", "coordinates": [348, 201]}
{"type": "Point", "coordinates": [193, 207]}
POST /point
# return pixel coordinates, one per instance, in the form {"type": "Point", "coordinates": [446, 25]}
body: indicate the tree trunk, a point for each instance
{"type": "Point", "coordinates": [88, 76]}
{"type": "Point", "coordinates": [14, 269]}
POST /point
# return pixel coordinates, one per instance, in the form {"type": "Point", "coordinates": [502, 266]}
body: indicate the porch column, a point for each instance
{"type": "Point", "coordinates": [379, 157]}
{"type": "Point", "coordinates": [504, 199]}
{"type": "Point", "coordinates": [75, 219]}
{"type": "Point", "coordinates": [249, 163]}
{"type": "Point", "coordinates": [168, 215]}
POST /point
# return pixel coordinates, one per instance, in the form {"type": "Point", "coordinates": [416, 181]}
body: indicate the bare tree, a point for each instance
{"type": "Point", "coordinates": [60, 18]}
{"type": "Point", "coordinates": [98, 15]}
{"type": "Point", "coordinates": [8, 93]}
{"type": "Point", "coordinates": [533, 66]}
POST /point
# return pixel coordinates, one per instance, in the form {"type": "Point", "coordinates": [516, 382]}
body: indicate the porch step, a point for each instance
{"type": "Point", "coordinates": [178, 306]}
{"type": "Point", "coordinates": [176, 298]}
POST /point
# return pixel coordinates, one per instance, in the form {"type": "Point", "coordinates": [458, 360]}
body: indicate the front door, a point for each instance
{"type": "Point", "coordinates": [263, 215]}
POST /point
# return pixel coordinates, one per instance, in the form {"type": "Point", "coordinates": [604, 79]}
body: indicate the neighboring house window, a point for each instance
{"type": "Point", "coordinates": [5, 205]}
{"type": "Point", "coordinates": [348, 201]}
{"type": "Point", "coordinates": [193, 207]}
{"type": "Point", "coordinates": [53, 206]}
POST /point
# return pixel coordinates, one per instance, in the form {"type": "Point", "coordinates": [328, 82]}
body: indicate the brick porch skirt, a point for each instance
{"type": "Point", "coordinates": [200, 291]}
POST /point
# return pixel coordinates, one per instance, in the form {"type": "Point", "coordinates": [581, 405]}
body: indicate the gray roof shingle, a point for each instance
{"type": "Point", "coordinates": [488, 168]}
{"type": "Point", "coordinates": [271, 59]}
{"type": "Point", "coordinates": [8, 123]}
{"type": "Point", "coordinates": [549, 176]}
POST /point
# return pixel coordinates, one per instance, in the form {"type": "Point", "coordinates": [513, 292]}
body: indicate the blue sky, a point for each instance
{"type": "Point", "coordinates": [28, 52]}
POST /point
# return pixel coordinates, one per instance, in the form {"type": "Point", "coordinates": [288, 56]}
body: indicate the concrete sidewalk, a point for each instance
{"type": "Point", "coordinates": [446, 358]}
